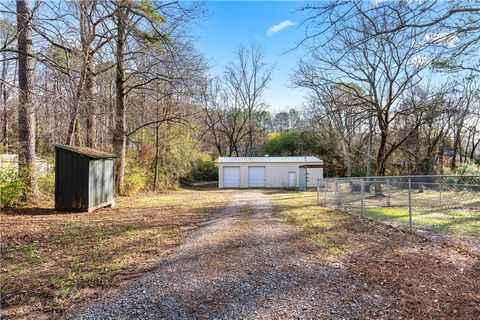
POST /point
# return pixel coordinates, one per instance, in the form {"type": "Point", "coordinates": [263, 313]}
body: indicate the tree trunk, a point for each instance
{"type": "Point", "coordinates": [26, 108]}
{"type": "Point", "coordinates": [380, 163]}
{"type": "Point", "coordinates": [157, 156]}
{"type": "Point", "coordinates": [73, 124]}
{"type": "Point", "coordinates": [71, 128]}
{"type": "Point", "coordinates": [88, 99]}
{"type": "Point", "coordinates": [157, 138]}
{"type": "Point", "coordinates": [370, 144]}
{"type": "Point", "coordinates": [90, 109]}
{"type": "Point", "coordinates": [347, 152]}
{"type": "Point", "coordinates": [251, 149]}
{"type": "Point", "coordinates": [441, 153]}
{"type": "Point", "coordinates": [457, 141]}
{"type": "Point", "coordinates": [4, 97]}
{"type": "Point", "coordinates": [474, 147]}
{"type": "Point", "coordinates": [55, 111]}
{"type": "Point", "coordinates": [119, 137]}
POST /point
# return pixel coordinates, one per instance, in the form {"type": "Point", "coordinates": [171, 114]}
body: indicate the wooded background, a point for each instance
{"type": "Point", "coordinates": [392, 88]}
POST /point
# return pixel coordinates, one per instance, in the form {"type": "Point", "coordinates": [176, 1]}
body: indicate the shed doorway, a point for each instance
{"type": "Point", "coordinates": [256, 177]}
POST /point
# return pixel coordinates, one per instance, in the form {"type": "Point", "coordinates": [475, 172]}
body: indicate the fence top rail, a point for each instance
{"type": "Point", "coordinates": [407, 176]}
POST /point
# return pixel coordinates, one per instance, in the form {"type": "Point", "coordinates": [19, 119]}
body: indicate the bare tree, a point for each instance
{"type": "Point", "coordinates": [451, 26]}
{"type": "Point", "coordinates": [473, 130]}
{"type": "Point", "coordinates": [226, 118]}
{"type": "Point", "coordinates": [144, 41]}
{"type": "Point", "coordinates": [341, 112]}
{"type": "Point", "coordinates": [26, 109]}
{"type": "Point", "coordinates": [8, 31]}
{"type": "Point", "coordinates": [91, 19]}
{"type": "Point", "coordinates": [378, 70]}
{"type": "Point", "coordinates": [469, 91]}
{"type": "Point", "coordinates": [119, 137]}
{"type": "Point", "coordinates": [100, 75]}
{"type": "Point", "coordinates": [246, 78]}
{"type": "Point", "coordinates": [212, 116]}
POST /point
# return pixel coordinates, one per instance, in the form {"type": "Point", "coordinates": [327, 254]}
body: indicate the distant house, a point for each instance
{"type": "Point", "coordinates": [448, 159]}
{"type": "Point", "coordinates": [269, 172]}
{"type": "Point", "coordinates": [11, 161]}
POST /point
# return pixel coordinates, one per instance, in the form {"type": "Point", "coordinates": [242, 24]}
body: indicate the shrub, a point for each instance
{"type": "Point", "coordinates": [134, 181]}
{"type": "Point", "coordinates": [11, 188]}
{"type": "Point", "coordinates": [204, 169]}
{"type": "Point", "coordinates": [166, 181]}
{"type": "Point", "coordinates": [11, 193]}
{"type": "Point", "coordinates": [469, 168]}
{"type": "Point", "coordinates": [46, 185]}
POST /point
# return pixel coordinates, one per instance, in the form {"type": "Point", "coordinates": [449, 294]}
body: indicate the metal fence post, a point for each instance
{"type": "Point", "coordinates": [388, 193]}
{"type": "Point", "coordinates": [318, 191]}
{"type": "Point", "coordinates": [362, 187]}
{"type": "Point", "coordinates": [410, 203]}
{"type": "Point", "coordinates": [440, 190]}
{"type": "Point", "coordinates": [326, 190]}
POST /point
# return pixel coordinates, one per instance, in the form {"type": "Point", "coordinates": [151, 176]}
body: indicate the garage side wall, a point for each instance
{"type": "Point", "coordinates": [313, 175]}
{"type": "Point", "coordinates": [276, 173]}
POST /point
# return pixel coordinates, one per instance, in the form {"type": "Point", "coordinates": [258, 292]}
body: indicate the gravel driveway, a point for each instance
{"type": "Point", "coordinates": [243, 264]}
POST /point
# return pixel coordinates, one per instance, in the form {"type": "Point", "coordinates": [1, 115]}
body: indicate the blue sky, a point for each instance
{"type": "Point", "coordinates": [235, 23]}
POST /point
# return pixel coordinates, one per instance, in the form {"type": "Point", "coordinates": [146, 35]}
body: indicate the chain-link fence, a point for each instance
{"type": "Point", "coordinates": [444, 204]}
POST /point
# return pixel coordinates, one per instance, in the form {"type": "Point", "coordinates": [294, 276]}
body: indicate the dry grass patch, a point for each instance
{"type": "Point", "coordinates": [419, 278]}
{"type": "Point", "coordinates": [330, 231]}
{"type": "Point", "coordinates": [51, 261]}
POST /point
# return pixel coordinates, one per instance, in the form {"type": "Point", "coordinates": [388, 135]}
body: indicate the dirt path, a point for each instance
{"type": "Point", "coordinates": [243, 264]}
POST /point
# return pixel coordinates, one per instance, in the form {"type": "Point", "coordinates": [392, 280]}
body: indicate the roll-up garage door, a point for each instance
{"type": "Point", "coordinates": [231, 177]}
{"type": "Point", "coordinates": [256, 177]}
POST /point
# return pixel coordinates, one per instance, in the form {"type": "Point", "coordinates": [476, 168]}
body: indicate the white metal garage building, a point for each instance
{"type": "Point", "coordinates": [268, 172]}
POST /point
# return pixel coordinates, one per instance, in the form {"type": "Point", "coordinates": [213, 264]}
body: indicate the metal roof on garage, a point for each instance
{"type": "Point", "coordinates": [308, 159]}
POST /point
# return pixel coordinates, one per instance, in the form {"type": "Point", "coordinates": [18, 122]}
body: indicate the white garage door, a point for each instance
{"type": "Point", "coordinates": [256, 177]}
{"type": "Point", "coordinates": [231, 177]}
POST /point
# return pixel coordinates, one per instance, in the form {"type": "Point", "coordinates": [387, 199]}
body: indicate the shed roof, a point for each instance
{"type": "Point", "coordinates": [88, 152]}
{"type": "Point", "coordinates": [306, 159]}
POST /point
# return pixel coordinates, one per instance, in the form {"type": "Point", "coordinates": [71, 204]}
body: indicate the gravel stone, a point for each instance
{"type": "Point", "coordinates": [242, 264]}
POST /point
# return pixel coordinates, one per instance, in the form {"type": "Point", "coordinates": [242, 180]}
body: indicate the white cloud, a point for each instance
{"type": "Point", "coordinates": [377, 2]}
{"type": "Point", "coordinates": [282, 25]}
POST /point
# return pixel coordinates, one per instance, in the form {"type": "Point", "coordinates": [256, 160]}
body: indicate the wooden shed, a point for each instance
{"type": "Point", "coordinates": [84, 178]}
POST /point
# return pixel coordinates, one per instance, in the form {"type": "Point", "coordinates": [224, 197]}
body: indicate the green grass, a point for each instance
{"type": "Point", "coordinates": [394, 214]}
{"type": "Point", "coordinates": [63, 284]}
{"type": "Point", "coordinates": [447, 221]}
{"type": "Point", "coordinates": [447, 212]}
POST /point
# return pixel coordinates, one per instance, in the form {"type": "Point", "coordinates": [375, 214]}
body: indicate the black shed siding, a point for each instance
{"type": "Point", "coordinates": [83, 181]}
{"type": "Point", "coordinates": [71, 181]}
